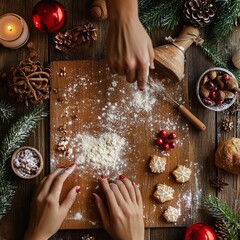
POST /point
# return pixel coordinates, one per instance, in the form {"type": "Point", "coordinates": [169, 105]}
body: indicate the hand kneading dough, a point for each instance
{"type": "Point", "coordinates": [227, 155]}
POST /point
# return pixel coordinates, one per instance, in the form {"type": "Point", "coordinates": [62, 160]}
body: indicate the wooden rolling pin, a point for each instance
{"type": "Point", "coordinates": [184, 111]}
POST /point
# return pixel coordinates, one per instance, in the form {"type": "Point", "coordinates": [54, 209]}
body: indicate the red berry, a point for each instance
{"type": "Point", "coordinates": [159, 141]}
{"type": "Point", "coordinates": [166, 147]}
{"type": "Point", "coordinates": [225, 77]}
{"type": "Point", "coordinates": [172, 136]}
{"type": "Point", "coordinates": [163, 134]}
{"type": "Point", "coordinates": [218, 102]}
{"type": "Point", "coordinates": [172, 144]}
{"type": "Point", "coordinates": [167, 140]}
{"type": "Point", "coordinates": [212, 95]}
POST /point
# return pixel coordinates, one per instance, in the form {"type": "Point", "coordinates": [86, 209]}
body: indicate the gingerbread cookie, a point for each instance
{"type": "Point", "coordinates": [163, 193]}
{"type": "Point", "coordinates": [182, 174]}
{"type": "Point", "coordinates": [157, 164]}
{"type": "Point", "coordinates": [171, 214]}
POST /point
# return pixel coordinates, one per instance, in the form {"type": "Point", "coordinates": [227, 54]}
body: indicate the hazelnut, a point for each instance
{"type": "Point", "coordinates": [231, 84]}
{"type": "Point", "coordinates": [220, 82]}
{"type": "Point", "coordinates": [212, 75]}
{"type": "Point", "coordinates": [220, 95]}
{"type": "Point", "coordinates": [204, 92]}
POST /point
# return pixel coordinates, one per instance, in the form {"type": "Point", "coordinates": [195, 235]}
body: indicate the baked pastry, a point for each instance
{"type": "Point", "coordinates": [163, 193]}
{"type": "Point", "coordinates": [227, 155]}
{"type": "Point", "coordinates": [157, 164]}
{"type": "Point", "coordinates": [182, 174]}
{"type": "Point", "coordinates": [171, 214]}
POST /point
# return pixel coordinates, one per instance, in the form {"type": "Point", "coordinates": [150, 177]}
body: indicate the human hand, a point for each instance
{"type": "Point", "coordinates": [129, 48]}
{"type": "Point", "coordinates": [123, 219]}
{"type": "Point", "coordinates": [47, 214]}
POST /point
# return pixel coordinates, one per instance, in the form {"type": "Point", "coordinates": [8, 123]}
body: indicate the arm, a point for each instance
{"type": "Point", "coordinates": [47, 214]}
{"type": "Point", "coordinates": [123, 219]}
{"type": "Point", "coordinates": [129, 48]}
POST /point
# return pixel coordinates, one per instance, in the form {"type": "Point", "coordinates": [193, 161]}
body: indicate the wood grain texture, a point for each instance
{"type": "Point", "coordinates": [201, 146]}
{"type": "Point", "coordinates": [87, 91]}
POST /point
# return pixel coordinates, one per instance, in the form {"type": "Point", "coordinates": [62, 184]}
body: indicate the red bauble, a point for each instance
{"type": "Point", "coordinates": [49, 16]}
{"type": "Point", "coordinates": [200, 231]}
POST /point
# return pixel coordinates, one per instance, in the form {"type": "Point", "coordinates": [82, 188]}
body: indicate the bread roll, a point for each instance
{"type": "Point", "coordinates": [227, 155]}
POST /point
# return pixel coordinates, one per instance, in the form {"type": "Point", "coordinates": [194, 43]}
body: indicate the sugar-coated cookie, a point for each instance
{"type": "Point", "coordinates": [157, 164]}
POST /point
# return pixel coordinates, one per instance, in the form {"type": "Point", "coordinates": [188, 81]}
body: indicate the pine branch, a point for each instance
{"type": "Point", "coordinates": [21, 130]}
{"type": "Point", "coordinates": [6, 112]}
{"type": "Point", "coordinates": [226, 19]}
{"type": "Point", "coordinates": [160, 13]}
{"type": "Point", "coordinates": [222, 212]}
{"type": "Point", "coordinates": [220, 60]}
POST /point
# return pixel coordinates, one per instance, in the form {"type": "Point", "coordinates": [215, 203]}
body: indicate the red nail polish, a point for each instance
{"type": "Point", "coordinates": [71, 165]}
{"type": "Point", "coordinates": [121, 177]}
{"type": "Point", "coordinates": [94, 197]}
{"type": "Point", "coordinates": [78, 189]}
{"type": "Point", "coordinates": [133, 183]}
{"type": "Point", "coordinates": [103, 176]}
{"type": "Point", "coordinates": [62, 166]}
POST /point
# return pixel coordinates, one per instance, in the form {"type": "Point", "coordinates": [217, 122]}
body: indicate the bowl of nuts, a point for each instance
{"type": "Point", "coordinates": [27, 162]}
{"type": "Point", "coordinates": [216, 89]}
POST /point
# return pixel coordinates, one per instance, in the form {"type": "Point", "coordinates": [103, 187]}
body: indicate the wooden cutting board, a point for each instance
{"type": "Point", "coordinates": [86, 100]}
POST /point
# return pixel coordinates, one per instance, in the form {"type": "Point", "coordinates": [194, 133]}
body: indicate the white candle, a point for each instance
{"type": "Point", "coordinates": [14, 32]}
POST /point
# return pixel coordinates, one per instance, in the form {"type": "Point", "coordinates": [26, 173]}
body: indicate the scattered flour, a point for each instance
{"type": "Point", "coordinates": [102, 151]}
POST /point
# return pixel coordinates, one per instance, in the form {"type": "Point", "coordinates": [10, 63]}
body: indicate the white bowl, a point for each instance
{"type": "Point", "coordinates": [223, 106]}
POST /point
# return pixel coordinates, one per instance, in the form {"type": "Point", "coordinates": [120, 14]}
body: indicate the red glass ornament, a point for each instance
{"type": "Point", "coordinates": [49, 16]}
{"type": "Point", "coordinates": [200, 231]}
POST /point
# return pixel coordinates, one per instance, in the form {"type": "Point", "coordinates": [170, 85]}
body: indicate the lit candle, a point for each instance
{"type": "Point", "coordinates": [14, 32]}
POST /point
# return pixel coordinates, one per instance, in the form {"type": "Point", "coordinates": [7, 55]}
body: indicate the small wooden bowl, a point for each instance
{"type": "Point", "coordinates": [23, 169]}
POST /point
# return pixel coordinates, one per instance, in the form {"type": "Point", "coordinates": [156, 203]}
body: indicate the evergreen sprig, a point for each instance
{"type": "Point", "coordinates": [6, 112]}
{"type": "Point", "coordinates": [165, 13]}
{"type": "Point", "coordinates": [19, 131]}
{"type": "Point", "coordinates": [219, 59]}
{"type": "Point", "coordinates": [226, 19]}
{"type": "Point", "coordinates": [230, 222]}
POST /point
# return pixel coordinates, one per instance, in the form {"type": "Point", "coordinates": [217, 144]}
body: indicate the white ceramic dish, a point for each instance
{"type": "Point", "coordinates": [223, 106]}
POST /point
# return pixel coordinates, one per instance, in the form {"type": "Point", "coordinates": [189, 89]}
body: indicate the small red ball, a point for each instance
{"type": "Point", "coordinates": [167, 140]}
{"type": "Point", "coordinates": [212, 95]}
{"type": "Point", "coordinates": [163, 134]}
{"type": "Point", "coordinates": [172, 145]}
{"type": "Point", "coordinates": [166, 147]}
{"type": "Point", "coordinates": [200, 231]}
{"type": "Point", "coordinates": [172, 136]}
{"type": "Point", "coordinates": [225, 77]}
{"type": "Point", "coordinates": [218, 102]}
{"type": "Point", "coordinates": [159, 141]}
{"type": "Point", "coordinates": [49, 16]}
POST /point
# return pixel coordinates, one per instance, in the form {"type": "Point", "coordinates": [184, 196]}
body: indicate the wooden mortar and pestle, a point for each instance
{"type": "Point", "coordinates": [169, 58]}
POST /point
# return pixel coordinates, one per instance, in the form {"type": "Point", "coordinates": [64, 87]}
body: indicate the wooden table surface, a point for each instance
{"type": "Point", "coordinates": [202, 145]}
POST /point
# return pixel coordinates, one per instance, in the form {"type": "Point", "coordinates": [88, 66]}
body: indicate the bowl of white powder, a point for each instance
{"type": "Point", "coordinates": [27, 162]}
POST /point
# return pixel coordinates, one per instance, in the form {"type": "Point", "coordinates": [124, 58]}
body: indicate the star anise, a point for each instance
{"type": "Point", "coordinates": [218, 184]}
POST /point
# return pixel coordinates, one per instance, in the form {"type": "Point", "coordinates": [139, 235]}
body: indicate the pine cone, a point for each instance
{"type": "Point", "coordinates": [30, 82]}
{"type": "Point", "coordinates": [75, 36]}
{"type": "Point", "coordinates": [199, 12]}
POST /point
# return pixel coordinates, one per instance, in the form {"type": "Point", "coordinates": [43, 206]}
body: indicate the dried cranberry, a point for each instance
{"type": "Point", "coordinates": [208, 102]}
{"type": "Point", "coordinates": [212, 95]}
{"type": "Point", "coordinates": [209, 85]}
{"type": "Point", "coordinates": [225, 77]}
{"type": "Point", "coordinates": [218, 102]}
{"type": "Point", "coordinates": [215, 88]}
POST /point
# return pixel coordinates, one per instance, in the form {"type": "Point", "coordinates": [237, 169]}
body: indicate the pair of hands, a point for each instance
{"type": "Point", "coordinates": [122, 215]}
{"type": "Point", "coordinates": [129, 48]}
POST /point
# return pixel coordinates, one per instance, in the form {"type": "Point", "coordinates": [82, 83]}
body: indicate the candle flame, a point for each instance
{"type": "Point", "coordinates": [10, 28]}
